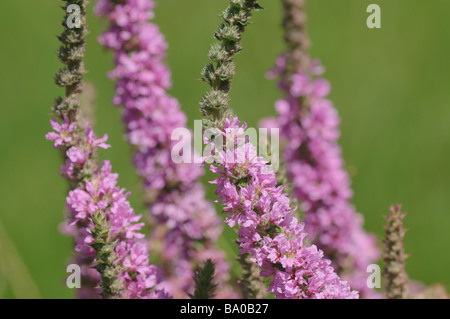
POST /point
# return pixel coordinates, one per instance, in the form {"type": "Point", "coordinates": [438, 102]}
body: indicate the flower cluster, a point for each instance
{"type": "Point", "coordinates": [101, 219]}
{"type": "Point", "coordinates": [104, 205]}
{"type": "Point", "coordinates": [247, 188]}
{"type": "Point", "coordinates": [250, 196]}
{"type": "Point", "coordinates": [309, 124]}
{"type": "Point", "coordinates": [185, 224]}
{"type": "Point", "coordinates": [113, 260]}
{"type": "Point", "coordinates": [81, 148]}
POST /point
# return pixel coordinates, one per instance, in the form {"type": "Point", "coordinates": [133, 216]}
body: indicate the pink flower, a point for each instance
{"type": "Point", "coordinates": [76, 156]}
{"type": "Point", "coordinates": [90, 138]}
{"type": "Point", "coordinates": [62, 132]}
{"type": "Point", "coordinates": [320, 182]}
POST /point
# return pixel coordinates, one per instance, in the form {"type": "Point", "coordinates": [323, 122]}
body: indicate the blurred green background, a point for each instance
{"type": "Point", "coordinates": [390, 85]}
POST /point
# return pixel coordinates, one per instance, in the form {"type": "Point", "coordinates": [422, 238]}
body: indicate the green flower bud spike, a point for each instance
{"type": "Point", "coordinates": [394, 256]}
{"type": "Point", "coordinates": [220, 71]}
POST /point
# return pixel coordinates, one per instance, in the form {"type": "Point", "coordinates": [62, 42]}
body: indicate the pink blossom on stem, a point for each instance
{"type": "Point", "coordinates": [185, 225]}
{"type": "Point", "coordinates": [61, 133]}
{"type": "Point", "coordinates": [309, 127]}
{"type": "Point", "coordinates": [99, 194]}
{"type": "Point", "coordinates": [113, 259]}
{"type": "Point", "coordinates": [250, 197]}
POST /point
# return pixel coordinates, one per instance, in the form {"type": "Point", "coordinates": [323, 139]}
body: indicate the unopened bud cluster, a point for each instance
{"type": "Point", "coordinates": [394, 256]}
{"type": "Point", "coordinates": [220, 71]}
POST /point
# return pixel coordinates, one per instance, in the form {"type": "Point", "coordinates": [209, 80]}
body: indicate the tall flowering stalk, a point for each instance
{"type": "Point", "coordinates": [248, 190]}
{"type": "Point", "coordinates": [394, 255]}
{"type": "Point", "coordinates": [185, 225]}
{"type": "Point", "coordinates": [114, 261]}
{"type": "Point", "coordinates": [309, 128]}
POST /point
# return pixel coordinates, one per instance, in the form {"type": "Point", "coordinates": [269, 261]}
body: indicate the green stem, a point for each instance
{"type": "Point", "coordinates": [106, 257]}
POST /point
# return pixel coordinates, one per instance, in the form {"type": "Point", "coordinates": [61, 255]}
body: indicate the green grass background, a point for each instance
{"type": "Point", "coordinates": [391, 87]}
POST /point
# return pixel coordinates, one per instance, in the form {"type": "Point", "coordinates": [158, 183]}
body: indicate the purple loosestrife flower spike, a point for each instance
{"type": "Point", "coordinates": [109, 250]}
{"type": "Point", "coordinates": [248, 190]}
{"type": "Point", "coordinates": [309, 129]}
{"type": "Point", "coordinates": [394, 255]}
{"type": "Point", "coordinates": [185, 225]}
